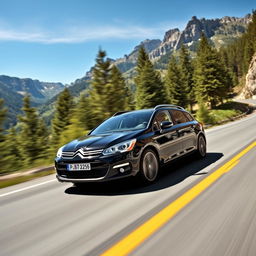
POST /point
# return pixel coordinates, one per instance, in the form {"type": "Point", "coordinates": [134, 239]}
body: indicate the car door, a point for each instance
{"type": "Point", "coordinates": [185, 129]}
{"type": "Point", "coordinates": [167, 139]}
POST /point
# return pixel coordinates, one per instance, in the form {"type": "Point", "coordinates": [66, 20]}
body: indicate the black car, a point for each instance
{"type": "Point", "coordinates": [131, 143]}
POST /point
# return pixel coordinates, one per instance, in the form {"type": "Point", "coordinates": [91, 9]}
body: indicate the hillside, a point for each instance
{"type": "Point", "coordinates": [46, 110]}
{"type": "Point", "coordinates": [219, 31]}
{"type": "Point", "coordinates": [13, 89]}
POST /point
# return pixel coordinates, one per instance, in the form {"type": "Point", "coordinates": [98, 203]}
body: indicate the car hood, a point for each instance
{"type": "Point", "coordinates": [93, 142]}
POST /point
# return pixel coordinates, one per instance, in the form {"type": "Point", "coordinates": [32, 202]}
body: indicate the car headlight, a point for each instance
{"type": "Point", "coordinates": [120, 147]}
{"type": "Point", "coordinates": [59, 153]}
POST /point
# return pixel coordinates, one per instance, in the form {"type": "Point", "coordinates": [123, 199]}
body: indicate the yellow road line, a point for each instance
{"type": "Point", "coordinates": [136, 237]}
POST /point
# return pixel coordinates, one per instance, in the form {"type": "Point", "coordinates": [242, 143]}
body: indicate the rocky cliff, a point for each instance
{"type": "Point", "coordinates": [219, 31]}
{"type": "Point", "coordinates": [249, 90]}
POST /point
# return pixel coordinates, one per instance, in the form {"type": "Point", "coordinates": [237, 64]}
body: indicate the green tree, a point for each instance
{"type": "Point", "coordinates": [61, 119]}
{"type": "Point", "coordinates": [80, 122]}
{"type": "Point", "coordinates": [211, 77]}
{"type": "Point", "coordinates": [42, 139]}
{"type": "Point", "coordinates": [117, 92]}
{"type": "Point", "coordinates": [176, 90]}
{"type": "Point", "coordinates": [187, 70]}
{"type": "Point", "coordinates": [2, 118]}
{"type": "Point", "coordinates": [11, 160]}
{"type": "Point", "coordinates": [28, 135]}
{"type": "Point", "coordinates": [99, 87]}
{"type": "Point", "coordinates": [238, 54]}
{"type": "Point", "coordinates": [2, 137]}
{"type": "Point", "coordinates": [150, 90]}
{"type": "Point", "coordinates": [142, 59]}
{"type": "Point", "coordinates": [109, 92]}
{"type": "Point", "coordinates": [249, 42]}
{"type": "Point", "coordinates": [203, 114]}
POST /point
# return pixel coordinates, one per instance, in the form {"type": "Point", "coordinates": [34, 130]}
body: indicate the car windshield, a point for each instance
{"type": "Point", "coordinates": [134, 120]}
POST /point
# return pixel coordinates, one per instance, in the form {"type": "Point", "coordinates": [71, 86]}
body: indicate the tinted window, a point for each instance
{"type": "Point", "coordinates": [188, 116]}
{"type": "Point", "coordinates": [178, 117]}
{"type": "Point", "coordinates": [159, 118]}
{"type": "Point", "coordinates": [134, 120]}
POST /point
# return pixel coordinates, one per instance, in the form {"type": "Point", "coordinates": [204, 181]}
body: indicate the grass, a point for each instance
{"type": "Point", "coordinates": [226, 112]}
{"type": "Point", "coordinates": [220, 115]}
{"type": "Point", "coordinates": [20, 179]}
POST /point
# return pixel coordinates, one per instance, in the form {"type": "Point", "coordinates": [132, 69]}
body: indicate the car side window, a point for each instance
{"type": "Point", "coordinates": [188, 116]}
{"type": "Point", "coordinates": [159, 118]}
{"type": "Point", "coordinates": [179, 117]}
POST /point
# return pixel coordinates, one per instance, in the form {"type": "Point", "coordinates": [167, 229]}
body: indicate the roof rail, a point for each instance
{"type": "Point", "coordinates": [120, 112]}
{"type": "Point", "coordinates": [168, 105]}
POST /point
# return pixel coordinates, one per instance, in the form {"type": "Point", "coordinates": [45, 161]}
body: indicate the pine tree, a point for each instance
{"type": "Point", "coordinates": [142, 59]}
{"type": "Point", "coordinates": [61, 119]}
{"type": "Point", "coordinates": [28, 135]}
{"type": "Point", "coordinates": [186, 69]}
{"type": "Point", "coordinates": [11, 160]}
{"type": "Point", "coordinates": [150, 90]}
{"type": "Point", "coordinates": [211, 77]}
{"type": "Point", "coordinates": [177, 91]}
{"type": "Point", "coordinates": [2, 137]}
{"type": "Point", "coordinates": [2, 119]}
{"type": "Point", "coordinates": [203, 114]}
{"type": "Point", "coordinates": [239, 53]}
{"type": "Point", "coordinates": [42, 139]}
{"type": "Point", "coordinates": [109, 92]}
{"type": "Point", "coordinates": [117, 92]}
{"type": "Point", "coordinates": [99, 88]}
{"type": "Point", "coordinates": [80, 122]}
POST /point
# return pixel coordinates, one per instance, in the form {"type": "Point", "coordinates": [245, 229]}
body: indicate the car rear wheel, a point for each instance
{"type": "Point", "coordinates": [201, 147]}
{"type": "Point", "coordinates": [149, 166]}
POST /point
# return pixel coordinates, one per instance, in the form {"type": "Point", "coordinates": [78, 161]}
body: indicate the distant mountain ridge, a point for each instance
{"type": "Point", "coordinates": [39, 91]}
{"type": "Point", "coordinates": [13, 89]}
{"type": "Point", "coordinates": [220, 31]}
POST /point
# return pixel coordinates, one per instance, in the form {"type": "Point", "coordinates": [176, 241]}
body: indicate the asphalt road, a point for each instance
{"type": "Point", "coordinates": [44, 217]}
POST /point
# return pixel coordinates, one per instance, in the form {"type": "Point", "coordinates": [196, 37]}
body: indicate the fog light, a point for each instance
{"type": "Point", "coordinates": [121, 170]}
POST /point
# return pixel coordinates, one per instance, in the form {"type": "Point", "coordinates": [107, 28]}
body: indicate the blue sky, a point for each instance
{"type": "Point", "coordinates": [58, 40]}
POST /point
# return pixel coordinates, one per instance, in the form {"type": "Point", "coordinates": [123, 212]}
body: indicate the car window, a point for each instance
{"type": "Point", "coordinates": [179, 117]}
{"type": "Point", "coordinates": [188, 116]}
{"type": "Point", "coordinates": [133, 120]}
{"type": "Point", "coordinates": [159, 118]}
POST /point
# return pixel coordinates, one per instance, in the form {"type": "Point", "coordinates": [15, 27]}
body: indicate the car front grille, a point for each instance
{"type": "Point", "coordinates": [84, 154]}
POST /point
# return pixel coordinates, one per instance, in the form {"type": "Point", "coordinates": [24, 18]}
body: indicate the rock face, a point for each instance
{"type": "Point", "coordinates": [220, 31]}
{"type": "Point", "coordinates": [224, 27]}
{"type": "Point", "coordinates": [250, 85]}
{"type": "Point", "coordinates": [169, 43]}
{"type": "Point", "coordinates": [129, 61]}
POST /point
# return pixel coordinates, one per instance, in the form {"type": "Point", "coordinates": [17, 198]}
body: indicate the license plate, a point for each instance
{"type": "Point", "coordinates": [79, 167]}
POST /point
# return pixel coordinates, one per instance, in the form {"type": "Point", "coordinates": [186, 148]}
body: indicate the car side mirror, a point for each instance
{"type": "Point", "coordinates": [166, 124]}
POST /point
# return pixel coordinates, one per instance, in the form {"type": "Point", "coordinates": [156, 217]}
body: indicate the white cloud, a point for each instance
{"type": "Point", "coordinates": [81, 34]}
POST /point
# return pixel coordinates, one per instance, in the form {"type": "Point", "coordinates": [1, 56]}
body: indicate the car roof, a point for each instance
{"type": "Point", "coordinates": [163, 107]}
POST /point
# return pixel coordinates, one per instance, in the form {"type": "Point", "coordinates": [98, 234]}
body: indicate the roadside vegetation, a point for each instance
{"type": "Point", "coordinates": [203, 84]}
{"type": "Point", "coordinates": [23, 178]}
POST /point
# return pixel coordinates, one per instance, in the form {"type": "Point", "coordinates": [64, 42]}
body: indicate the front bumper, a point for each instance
{"type": "Point", "coordinates": [103, 168]}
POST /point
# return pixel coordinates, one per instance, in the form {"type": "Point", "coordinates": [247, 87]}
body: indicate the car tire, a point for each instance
{"type": "Point", "coordinates": [149, 166]}
{"type": "Point", "coordinates": [201, 147]}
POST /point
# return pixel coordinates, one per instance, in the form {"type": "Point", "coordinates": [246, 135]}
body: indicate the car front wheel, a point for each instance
{"type": "Point", "coordinates": [149, 166]}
